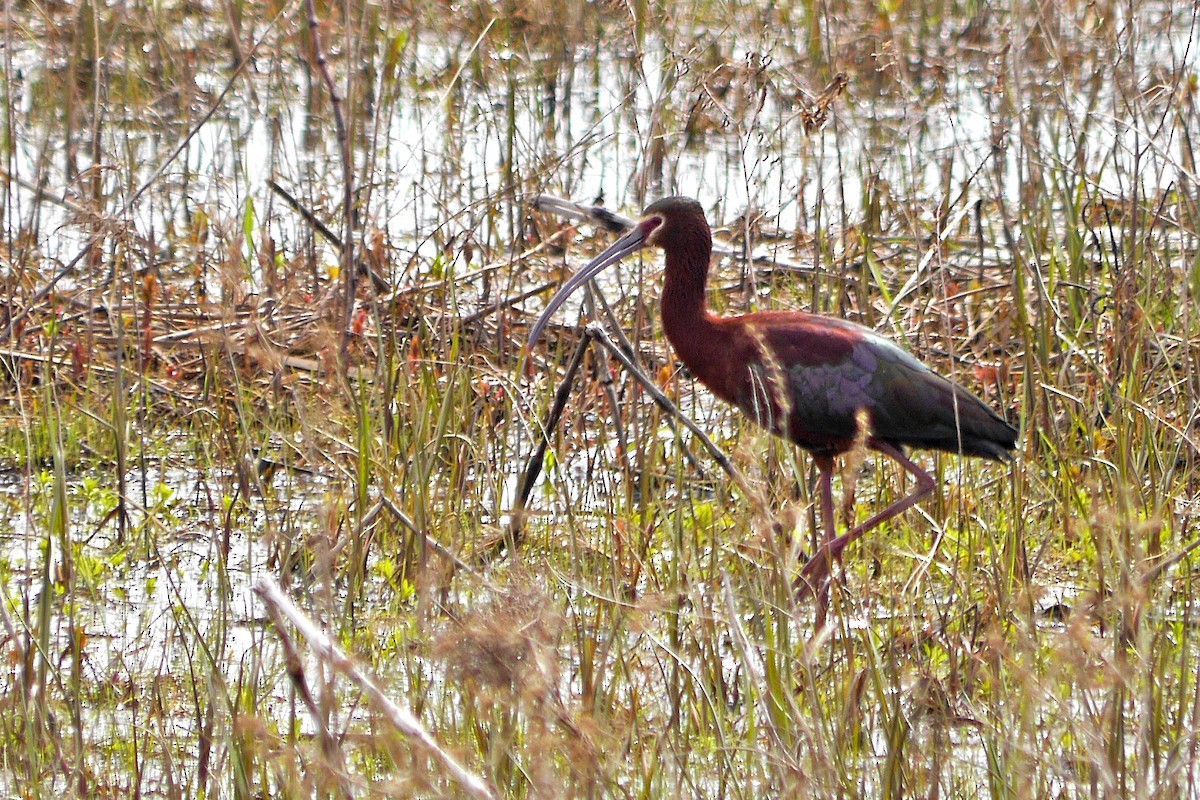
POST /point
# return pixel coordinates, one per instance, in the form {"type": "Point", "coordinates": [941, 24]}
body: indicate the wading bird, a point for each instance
{"type": "Point", "coordinates": [816, 381]}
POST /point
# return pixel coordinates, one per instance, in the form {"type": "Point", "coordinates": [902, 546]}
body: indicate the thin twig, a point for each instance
{"type": "Point", "coordinates": [596, 332]}
{"type": "Point", "coordinates": [533, 467]}
{"type": "Point", "coordinates": [504, 303]}
{"type": "Point", "coordinates": [335, 102]}
{"type": "Point", "coordinates": [380, 285]}
{"type": "Point", "coordinates": [604, 377]}
{"type": "Point", "coordinates": [438, 548]}
{"type": "Point", "coordinates": [623, 342]}
{"type": "Point", "coordinates": [42, 193]}
{"type": "Point", "coordinates": [309, 216]}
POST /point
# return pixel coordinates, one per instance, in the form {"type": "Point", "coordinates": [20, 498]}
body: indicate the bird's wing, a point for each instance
{"type": "Point", "coordinates": [815, 372]}
{"type": "Point", "coordinates": [835, 369]}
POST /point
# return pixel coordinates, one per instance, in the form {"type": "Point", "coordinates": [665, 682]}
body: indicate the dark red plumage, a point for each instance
{"type": "Point", "coordinates": [807, 378]}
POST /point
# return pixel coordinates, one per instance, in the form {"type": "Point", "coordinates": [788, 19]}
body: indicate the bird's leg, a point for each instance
{"type": "Point", "coordinates": [817, 569]}
{"type": "Point", "coordinates": [825, 465]}
{"type": "Point", "coordinates": [830, 522]}
{"type": "Point", "coordinates": [802, 584]}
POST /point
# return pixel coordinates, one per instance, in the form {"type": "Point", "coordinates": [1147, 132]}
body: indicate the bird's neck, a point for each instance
{"type": "Point", "coordinates": [685, 320]}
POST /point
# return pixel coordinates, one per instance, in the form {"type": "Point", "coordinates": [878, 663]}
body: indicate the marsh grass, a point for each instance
{"type": "Point", "coordinates": [1010, 190]}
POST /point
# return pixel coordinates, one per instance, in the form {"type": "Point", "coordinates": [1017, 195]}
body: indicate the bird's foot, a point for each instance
{"type": "Point", "coordinates": [803, 588]}
{"type": "Point", "coordinates": [813, 580]}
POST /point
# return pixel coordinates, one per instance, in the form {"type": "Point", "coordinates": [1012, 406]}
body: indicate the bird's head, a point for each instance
{"type": "Point", "coordinates": [674, 220]}
{"type": "Point", "coordinates": [666, 223]}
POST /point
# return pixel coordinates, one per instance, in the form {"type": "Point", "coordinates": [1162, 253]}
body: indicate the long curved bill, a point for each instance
{"type": "Point", "coordinates": [631, 242]}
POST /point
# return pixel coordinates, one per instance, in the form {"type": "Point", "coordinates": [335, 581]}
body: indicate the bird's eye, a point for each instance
{"type": "Point", "coordinates": [652, 226]}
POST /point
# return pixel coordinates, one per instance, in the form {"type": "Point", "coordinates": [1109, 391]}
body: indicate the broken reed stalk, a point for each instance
{"type": "Point", "coordinates": [379, 282]}
{"type": "Point", "coordinates": [604, 376]}
{"type": "Point", "coordinates": [295, 670]}
{"type": "Point", "coordinates": [597, 333]}
{"type": "Point", "coordinates": [278, 603]}
{"type": "Point", "coordinates": [533, 468]}
{"type": "Point", "coordinates": [613, 222]}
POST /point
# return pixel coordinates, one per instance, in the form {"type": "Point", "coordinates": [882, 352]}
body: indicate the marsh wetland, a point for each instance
{"type": "Point", "coordinates": [255, 328]}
